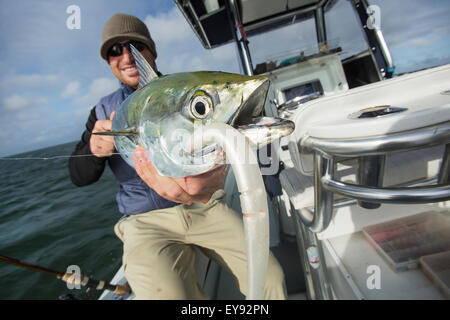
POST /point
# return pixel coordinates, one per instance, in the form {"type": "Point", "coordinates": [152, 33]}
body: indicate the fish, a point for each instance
{"type": "Point", "coordinates": [166, 115]}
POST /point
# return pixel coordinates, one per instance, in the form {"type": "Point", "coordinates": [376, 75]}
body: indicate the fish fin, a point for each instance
{"type": "Point", "coordinates": [126, 132]}
{"type": "Point", "coordinates": [146, 72]}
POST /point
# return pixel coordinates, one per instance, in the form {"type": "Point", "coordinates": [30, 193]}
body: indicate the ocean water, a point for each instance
{"type": "Point", "coordinates": [48, 221]}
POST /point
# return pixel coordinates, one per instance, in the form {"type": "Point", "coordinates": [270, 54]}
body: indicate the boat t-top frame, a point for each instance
{"type": "Point", "coordinates": [218, 22]}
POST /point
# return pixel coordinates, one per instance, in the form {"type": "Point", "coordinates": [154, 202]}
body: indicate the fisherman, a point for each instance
{"type": "Point", "coordinates": [164, 218]}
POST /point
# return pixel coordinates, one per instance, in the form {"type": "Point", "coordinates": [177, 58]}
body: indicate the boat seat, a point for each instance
{"type": "Point", "coordinates": [379, 110]}
{"type": "Point", "coordinates": [356, 122]}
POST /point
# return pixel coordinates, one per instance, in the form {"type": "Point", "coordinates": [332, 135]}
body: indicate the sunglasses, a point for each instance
{"type": "Point", "coordinates": [117, 49]}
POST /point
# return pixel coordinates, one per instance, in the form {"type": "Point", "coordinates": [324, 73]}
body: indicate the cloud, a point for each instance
{"type": "Point", "coordinates": [179, 49]}
{"type": "Point", "coordinates": [99, 88]}
{"type": "Point", "coordinates": [17, 102]}
{"type": "Point", "coordinates": [72, 89]}
{"type": "Point", "coordinates": [169, 27]}
{"type": "Point", "coordinates": [29, 80]}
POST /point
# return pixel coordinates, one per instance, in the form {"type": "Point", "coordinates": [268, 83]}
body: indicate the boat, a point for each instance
{"type": "Point", "coordinates": [364, 211]}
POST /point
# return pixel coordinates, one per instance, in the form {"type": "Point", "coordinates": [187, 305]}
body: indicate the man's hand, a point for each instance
{"type": "Point", "coordinates": [166, 187]}
{"type": "Point", "coordinates": [102, 146]}
{"type": "Point", "coordinates": [201, 187]}
{"type": "Point", "coordinates": [186, 190]}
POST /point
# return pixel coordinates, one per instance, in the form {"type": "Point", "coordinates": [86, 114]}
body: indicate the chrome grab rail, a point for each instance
{"type": "Point", "coordinates": [347, 201]}
{"type": "Point", "coordinates": [323, 201]}
{"type": "Point", "coordinates": [287, 108]}
{"type": "Point", "coordinates": [444, 171]}
{"type": "Point", "coordinates": [426, 194]}
{"type": "Point", "coordinates": [404, 141]}
{"type": "Point", "coordinates": [295, 102]}
{"type": "Point", "coordinates": [325, 152]}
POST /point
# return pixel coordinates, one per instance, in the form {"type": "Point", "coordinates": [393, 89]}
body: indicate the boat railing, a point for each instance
{"type": "Point", "coordinates": [368, 192]}
{"type": "Point", "coordinates": [373, 150]}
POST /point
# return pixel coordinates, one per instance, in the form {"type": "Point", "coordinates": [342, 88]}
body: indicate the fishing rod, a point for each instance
{"type": "Point", "coordinates": [70, 278]}
{"type": "Point", "coordinates": [10, 158]}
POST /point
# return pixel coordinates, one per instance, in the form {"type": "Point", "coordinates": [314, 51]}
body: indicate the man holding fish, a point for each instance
{"type": "Point", "coordinates": [164, 216]}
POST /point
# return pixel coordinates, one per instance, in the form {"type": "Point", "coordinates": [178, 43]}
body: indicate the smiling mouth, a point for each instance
{"type": "Point", "coordinates": [132, 69]}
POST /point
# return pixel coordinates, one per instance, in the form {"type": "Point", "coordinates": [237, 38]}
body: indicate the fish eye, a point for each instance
{"type": "Point", "coordinates": [200, 106]}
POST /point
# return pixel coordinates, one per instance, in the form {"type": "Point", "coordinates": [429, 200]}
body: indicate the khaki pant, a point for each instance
{"type": "Point", "coordinates": [159, 254]}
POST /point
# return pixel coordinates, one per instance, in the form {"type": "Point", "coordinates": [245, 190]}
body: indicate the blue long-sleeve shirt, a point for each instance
{"type": "Point", "coordinates": [134, 195]}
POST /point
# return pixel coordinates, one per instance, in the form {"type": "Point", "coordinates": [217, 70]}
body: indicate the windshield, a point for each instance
{"type": "Point", "coordinates": [417, 34]}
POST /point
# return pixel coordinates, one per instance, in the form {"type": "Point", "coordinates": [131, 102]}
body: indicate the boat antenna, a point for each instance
{"type": "Point", "coordinates": [120, 290]}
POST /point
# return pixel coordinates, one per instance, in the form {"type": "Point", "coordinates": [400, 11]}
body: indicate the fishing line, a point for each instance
{"type": "Point", "coordinates": [54, 157]}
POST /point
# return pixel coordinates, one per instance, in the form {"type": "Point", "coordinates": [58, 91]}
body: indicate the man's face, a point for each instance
{"type": "Point", "coordinates": [124, 66]}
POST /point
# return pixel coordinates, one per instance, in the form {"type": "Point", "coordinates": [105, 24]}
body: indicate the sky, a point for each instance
{"type": "Point", "coordinates": [52, 75]}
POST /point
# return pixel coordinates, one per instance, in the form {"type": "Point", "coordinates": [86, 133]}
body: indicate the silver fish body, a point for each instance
{"type": "Point", "coordinates": [166, 116]}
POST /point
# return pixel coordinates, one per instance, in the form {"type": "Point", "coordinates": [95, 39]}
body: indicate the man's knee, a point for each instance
{"type": "Point", "coordinates": [274, 271]}
{"type": "Point", "coordinates": [168, 273]}
{"type": "Point", "coordinates": [150, 286]}
{"type": "Point", "coordinates": [275, 287]}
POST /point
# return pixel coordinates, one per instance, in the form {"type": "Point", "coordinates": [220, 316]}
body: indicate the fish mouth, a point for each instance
{"type": "Point", "coordinates": [204, 151]}
{"type": "Point", "coordinates": [208, 157]}
{"type": "Point", "coordinates": [253, 105]}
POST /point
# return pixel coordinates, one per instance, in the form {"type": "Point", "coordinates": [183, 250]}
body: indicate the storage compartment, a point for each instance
{"type": "Point", "coordinates": [402, 242]}
{"type": "Point", "coordinates": [437, 268]}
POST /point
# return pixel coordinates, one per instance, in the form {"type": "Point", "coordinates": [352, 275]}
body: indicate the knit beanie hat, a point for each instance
{"type": "Point", "coordinates": [122, 27]}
